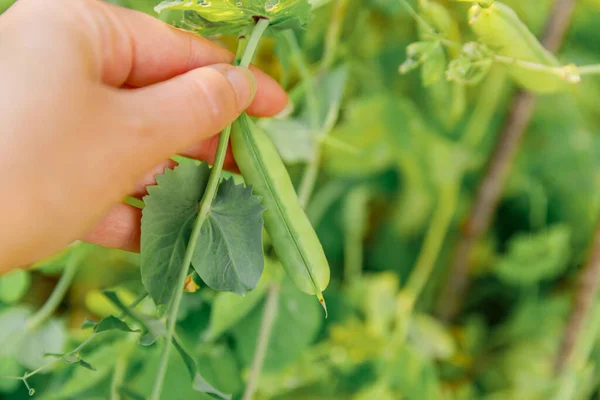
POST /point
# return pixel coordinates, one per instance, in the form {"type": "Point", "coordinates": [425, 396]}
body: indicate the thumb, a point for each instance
{"type": "Point", "coordinates": [168, 117]}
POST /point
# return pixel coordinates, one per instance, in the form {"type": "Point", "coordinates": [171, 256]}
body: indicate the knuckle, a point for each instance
{"type": "Point", "coordinates": [211, 98]}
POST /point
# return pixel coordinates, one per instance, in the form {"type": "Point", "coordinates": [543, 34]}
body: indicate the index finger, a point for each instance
{"type": "Point", "coordinates": [142, 51]}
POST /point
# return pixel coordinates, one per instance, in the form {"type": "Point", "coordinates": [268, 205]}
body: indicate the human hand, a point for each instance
{"type": "Point", "coordinates": [95, 99]}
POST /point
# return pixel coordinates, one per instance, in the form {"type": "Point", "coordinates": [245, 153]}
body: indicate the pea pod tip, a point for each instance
{"type": "Point", "coordinates": [323, 304]}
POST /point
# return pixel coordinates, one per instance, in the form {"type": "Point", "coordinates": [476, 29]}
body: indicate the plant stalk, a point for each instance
{"type": "Point", "coordinates": [491, 186]}
{"type": "Point", "coordinates": [434, 239]}
{"type": "Point", "coordinates": [332, 38]}
{"type": "Point", "coordinates": [588, 282]}
{"type": "Point", "coordinates": [204, 210]}
{"type": "Point", "coordinates": [266, 327]}
{"type": "Point", "coordinates": [309, 178]}
{"type": "Point", "coordinates": [58, 294]}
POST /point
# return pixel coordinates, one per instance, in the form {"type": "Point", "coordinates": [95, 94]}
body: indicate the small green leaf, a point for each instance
{"type": "Point", "coordinates": [112, 323]}
{"type": "Point", "coordinates": [229, 255]}
{"type": "Point", "coordinates": [373, 114]}
{"type": "Point", "coordinates": [199, 383]}
{"type": "Point", "coordinates": [114, 298]}
{"type": "Point", "coordinates": [86, 365]}
{"type": "Point", "coordinates": [88, 324]}
{"type": "Point", "coordinates": [153, 330]}
{"type": "Point", "coordinates": [130, 394]}
{"type": "Point", "coordinates": [14, 285]}
{"type": "Point", "coordinates": [471, 66]}
{"type": "Point", "coordinates": [434, 66]}
{"type": "Point", "coordinates": [535, 257]}
{"type": "Point", "coordinates": [9, 367]}
{"type": "Point", "coordinates": [210, 17]}
{"type": "Point", "coordinates": [292, 138]}
{"type": "Point", "coordinates": [72, 359]}
{"type": "Point", "coordinates": [103, 358]}
{"type": "Point", "coordinates": [189, 362]}
{"type": "Point", "coordinates": [68, 358]}
{"type": "Point", "coordinates": [167, 221]}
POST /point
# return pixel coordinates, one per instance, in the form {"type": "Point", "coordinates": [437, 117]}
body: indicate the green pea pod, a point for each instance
{"type": "Point", "coordinates": [500, 28]}
{"type": "Point", "coordinates": [294, 239]}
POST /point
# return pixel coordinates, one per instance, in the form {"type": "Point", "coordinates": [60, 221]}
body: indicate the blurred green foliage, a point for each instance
{"type": "Point", "coordinates": [398, 142]}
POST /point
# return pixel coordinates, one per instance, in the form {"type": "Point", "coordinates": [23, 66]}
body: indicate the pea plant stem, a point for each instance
{"type": "Point", "coordinates": [309, 178]}
{"type": "Point", "coordinates": [485, 109]}
{"type": "Point", "coordinates": [58, 293]}
{"type": "Point", "coordinates": [416, 16]}
{"type": "Point", "coordinates": [589, 69]}
{"type": "Point", "coordinates": [490, 188]}
{"type": "Point", "coordinates": [266, 327]}
{"type": "Point", "coordinates": [332, 38]}
{"type": "Point", "coordinates": [434, 238]}
{"type": "Point", "coordinates": [588, 282]}
{"type": "Point", "coordinates": [204, 210]}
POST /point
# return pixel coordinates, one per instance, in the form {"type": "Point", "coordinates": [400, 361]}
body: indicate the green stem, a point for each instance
{"type": "Point", "coordinates": [332, 38]}
{"type": "Point", "coordinates": [355, 221]}
{"type": "Point", "coordinates": [134, 202]}
{"type": "Point", "coordinates": [266, 327]}
{"type": "Point", "coordinates": [589, 69]}
{"type": "Point", "coordinates": [323, 198]}
{"type": "Point", "coordinates": [57, 295]}
{"type": "Point", "coordinates": [484, 111]}
{"type": "Point", "coordinates": [204, 209]}
{"type": "Point", "coordinates": [434, 239]}
{"type": "Point", "coordinates": [310, 175]}
{"type": "Point", "coordinates": [119, 373]}
{"type": "Point", "coordinates": [568, 73]}
{"type": "Point", "coordinates": [416, 16]}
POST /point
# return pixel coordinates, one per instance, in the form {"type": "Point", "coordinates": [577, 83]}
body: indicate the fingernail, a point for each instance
{"type": "Point", "coordinates": [244, 84]}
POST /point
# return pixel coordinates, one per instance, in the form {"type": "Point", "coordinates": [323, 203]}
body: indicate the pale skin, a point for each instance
{"type": "Point", "coordinates": [94, 101]}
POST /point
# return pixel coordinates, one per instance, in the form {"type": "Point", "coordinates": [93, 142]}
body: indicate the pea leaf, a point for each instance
{"type": "Point", "coordinates": [292, 138]}
{"type": "Point", "coordinates": [88, 324]}
{"type": "Point", "coordinates": [9, 367]}
{"type": "Point", "coordinates": [167, 220]}
{"type": "Point", "coordinates": [14, 285]}
{"type": "Point", "coordinates": [535, 257]}
{"type": "Point", "coordinates": [372, 114]}
{"type": "Point", "coordinates": [471, 66]}
{"type": "Point", "coordinates": [210, 17]}
{"type": "Point", "coordinates": [230, 256]}
{"type": "Point", "coordinates": [199, 383]}
{"type": "Point", "coordinates": [74, 359]}
{"type": "Point", "coordinates": [152, 328]}
{"type": "Point", "coordinates": [429, 54]}
{"type": "Point", "coordinates": [434, 66]}
{"type": "Point", "coordinates": [103, 359]}
{"type": "Point", "coordinates": [218, 364]}
{"type": "Point", "coordinates": [112, 323]}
